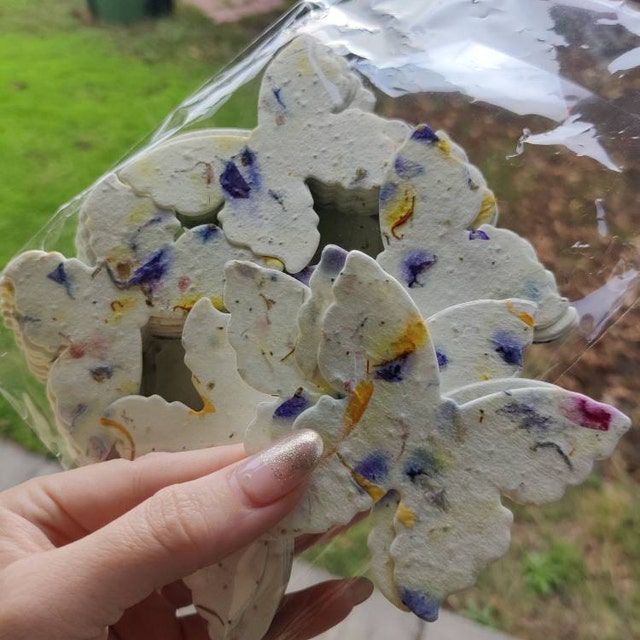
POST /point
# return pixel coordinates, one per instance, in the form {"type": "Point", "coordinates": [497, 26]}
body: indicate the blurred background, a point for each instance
{"type": "Point", "coordinates": [82, 83]}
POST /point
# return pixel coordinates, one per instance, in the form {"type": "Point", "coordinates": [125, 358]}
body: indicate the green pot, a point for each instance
{"type": "Point", "coordinates": [119, 11]}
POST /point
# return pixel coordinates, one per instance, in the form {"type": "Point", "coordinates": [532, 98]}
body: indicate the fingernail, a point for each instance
{"type": "Point", "coordinates": [361, 589]}
{"type": "Point", "coordinates": [274, 472]}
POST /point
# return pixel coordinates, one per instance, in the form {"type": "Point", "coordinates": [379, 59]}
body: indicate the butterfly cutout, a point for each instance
{"type": "Point", "coordinates": [83, 335]}
{"type": "Point", "coordinates": [227, 401]}
{"type": "Point", "coordinates": [315, 121]}
{"type": "Point", "coordinates": [139, 242]}
{"type": "Point", "coordinates": [238, 596]}
{"type": "Point", "coordinates": [436, 218]}
{"type": "Point", "coordinates": [437, 461]}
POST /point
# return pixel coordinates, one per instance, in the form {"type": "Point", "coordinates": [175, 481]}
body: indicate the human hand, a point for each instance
{"type": "Point", "coordinates": [99, 552]}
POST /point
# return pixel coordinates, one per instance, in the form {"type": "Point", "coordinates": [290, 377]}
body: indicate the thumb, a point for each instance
{"type": "Point", "coordinates": [180, 529]}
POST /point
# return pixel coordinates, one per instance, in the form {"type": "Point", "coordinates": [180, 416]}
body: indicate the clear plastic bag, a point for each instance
{"type": "Point", "coordinates": [540, 94]}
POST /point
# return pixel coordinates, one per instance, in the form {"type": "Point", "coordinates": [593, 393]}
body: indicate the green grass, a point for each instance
{"type": "Point", "coordinates": [485, 615]}
{"type": "Point", "coordinates": [557, 570]}
{"type": "Point", "coordinates": [344, 555]}
{"type": "Point", "coordinates": [75, 98]}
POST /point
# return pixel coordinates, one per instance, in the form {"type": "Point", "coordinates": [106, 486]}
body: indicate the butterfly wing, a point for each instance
{"type": "Point", "coordinates": [481, 340]}
{"type": "Point", "coordinates": [83, 335]}
{"type": "Point", "coordinates": [312, 106]}
{"type": "Point", "coordinates": [239, 596]}
{"type": "Point", "coordinates": [154, 424]}
{"type": "Point", "coordinates": [434, 210]}
{"type": "Point", "coordinates": [264, 306]}
{"type": "Point", "coordinates": [377, 356]}
{"type": "Point", "coordinates": [311, 316]}
{"type": "Point", "coordinates": [380, 539]}
{"type": "Point", "coordinates": [183, 174]}
{"type": "Point", "coordinates": [529, 443]}
{"type": "Point", "coordinates": [193, 269]}
{"type": "Point", "coordinates": [548, 439]}
{"type": "Point", "coordinates": [483, 263]}
{"type": "Point", "coordinates": [430, 186]}
{"type": "Point", "coordinates": [121, 227]}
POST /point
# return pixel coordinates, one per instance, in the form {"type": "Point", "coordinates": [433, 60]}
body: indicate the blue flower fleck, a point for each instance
{"type": "Point", "coordinates": [530, 418]}
{"type": "Point", "coordinates": [206, 232]}
{"type": "Point", "coordinates": [153, 270]}
{"type": "Point", "coordinates": [532, 292]}
{"type": "Point", "coordinates": [387, 191]}
{"type": "Point", "coordinates": [414, 264]}
{"type": "Point", "coordinates": [425, 606]}
{"type": "Point", "coordinates": [277, 94]}
{"type": "Point", "coordinates": [60, 276]}
{"type": "Point", "coordinates": [304, 276]}
{"type": "Point", "coordinates": [374, 468]}
{"type": "Point", "coordinates": [249, 160]}
{"type": "Point", "coordinates": [424, 133]}
{"type": "Point", "coordinates": [477, 234]}
{"type": "Point", "coordinates": [443, 361]}
{"type": "Point", "coordinates": [407, 169]}
{"type": "Point", "coordinates": [391, 371]}
{"type": "Point", "coordinates": [247, 157]}
{"type": "Point", "coordinates": [232, 182]}
{"type": "Point", "coordinates": [421, 463]}
{"type": "Point", "coordinates": [102, 373]}
{"type": "Point", "coordinates": [508, 347]}
{"type": "Point", "coordinates": [292, 407]}
{"type": "Point", "coordinates": [332, 260]}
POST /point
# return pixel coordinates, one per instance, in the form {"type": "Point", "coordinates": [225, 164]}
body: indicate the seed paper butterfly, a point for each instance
{"type": "Point", "coordinates": [434, 461]}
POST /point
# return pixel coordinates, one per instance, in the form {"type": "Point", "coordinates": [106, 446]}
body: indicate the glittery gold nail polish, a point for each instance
{"type": "Point", "coordinates": [274, 472]}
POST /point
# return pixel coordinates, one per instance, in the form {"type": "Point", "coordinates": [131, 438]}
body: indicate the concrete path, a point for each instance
{"type": "Point", "coordinates": [18, 465]}
{"type": "Point", "coordinates": [376, 619]}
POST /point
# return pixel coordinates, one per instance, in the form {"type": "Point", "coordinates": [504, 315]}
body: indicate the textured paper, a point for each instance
{"type": "Point", "coordinates": [481, 340]}
{"type": "Point", "coordinates": [121, 228]}
{"type": "Point", "coordinates": [239, 596]}
{"type": "Point", "coordinates": [88, 332]}
{"type": "Point", "coordinates": [314, 122]}
{"type": "Point", "coordinates": [435, 218]}
{"type": "Point", "coordinates": [183, 174]}
{"type": "Point", "coordinates": [227, 401]}
{"type": "Point", "coordinates": [261, 330]}
{"type": "Point", "coordinates": [438, 466]}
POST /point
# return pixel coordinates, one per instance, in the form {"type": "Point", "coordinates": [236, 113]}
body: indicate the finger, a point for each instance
{"type": "Point", "coordinates": [308, 613]}
{"type": "Point", "coordinates": [174, 533]}
{"type": "Point", "coordinates": [177, 594]}
{"type": "Point", "coordinates": [67, 506]}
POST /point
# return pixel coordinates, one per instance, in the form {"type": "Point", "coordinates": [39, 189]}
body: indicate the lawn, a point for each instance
{"type": "Point", "coordinates": [75, 98]}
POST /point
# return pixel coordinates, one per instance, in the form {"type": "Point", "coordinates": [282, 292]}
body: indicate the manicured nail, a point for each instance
{"type": "Point", "coordinates": [274, 472]}
{"type": "Point", "coordinates": [361, 589]}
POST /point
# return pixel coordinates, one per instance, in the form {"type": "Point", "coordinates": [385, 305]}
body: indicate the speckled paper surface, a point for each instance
{"type": "Point", "coordinates": [436, 466]}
